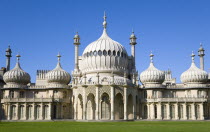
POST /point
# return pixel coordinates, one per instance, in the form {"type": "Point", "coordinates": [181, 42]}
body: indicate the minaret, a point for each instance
{"type": "Point", "coordinates": [201, 54]}
{"type": "Point", "coordinates": [8, 55]}
{"type": "Point", "coordinates": [76, 44]}
{"type": "Point", "coordinates": [133, 43]}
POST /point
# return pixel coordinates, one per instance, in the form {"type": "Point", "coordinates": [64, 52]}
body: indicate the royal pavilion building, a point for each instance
{"type": "Point", "coordinates": [104, 85]}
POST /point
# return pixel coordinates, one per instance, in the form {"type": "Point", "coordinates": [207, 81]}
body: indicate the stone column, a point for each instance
{"type": "Point", "coordinates": [185, 111]}
{"type": "Point", "coordinates": [159, 111]}
{"type": "Point", "coordinates": [9, 112]}
{"type": "Point", "coordinates": [42, 111]}
{"type": "Point", "coordinates": [84, 103]}
{"type": "Point", "coordinates": [33, 112]}
{"type": "Point", "coordinates": [168, 111]}
{"type": "Point", "coordinates": [97, 103]}
{"type": "Point", "coordinates": [201, 112]}
{"type": "Point", "coordinates": [148, 111]}
{"type": "Point", "coordinates": [17, 112]}
{"type": "Point", "coordinates": [112, 103]}
{"type": "Point", "coordinates": [152, 111]}
{"type": "Point", "coordinates": [193, 111]}
{"type": "Point", "coordinates": [25, 111]}
{"type": "Point", "coordinates": [176, 112]}
{"type": "Point", "coordinates": [50, 111]}
{"type": "Point", "coordinates": [125, 104]}
{"type": "Point", "coordinates": [134, 107]}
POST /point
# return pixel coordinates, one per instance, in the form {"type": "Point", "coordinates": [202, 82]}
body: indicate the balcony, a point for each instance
{"type": "Point", "coordinates": [4, 100]}
{"type": "Point", "coordinates": [182, 99]}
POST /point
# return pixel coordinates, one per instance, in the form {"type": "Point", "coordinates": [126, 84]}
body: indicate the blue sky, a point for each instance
{"type": "Point", "coordinates": [39, 29]}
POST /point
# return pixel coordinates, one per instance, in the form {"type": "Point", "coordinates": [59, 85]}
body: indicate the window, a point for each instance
{"type": "Point", "coordinates": [122, 54]}
{"type": "Point", "coordinates": [91, 53]}
{"type": "Point", "coordinates": [114, 53]}
{"type": "Point", "coordinates": [104, 53]}
{"type": "Point", "coordinates": [12, 94]}
{"type": "Point", "coordinates": [21, 94]}
{"type": "Point", "coordinates": [87, 54]}
{"type": "Point", "coordinates": [172, 111]}
{"type": "Point", "coordinates": [180, 112]}
{"type": "Point", "coordinates": [118, 53]}
{"type": "Point", "coordinates": [109, 53]}
{"type": "Point", "coordinates": [100, 53]}
{"type": "Point", "coordinates": [95, 53]}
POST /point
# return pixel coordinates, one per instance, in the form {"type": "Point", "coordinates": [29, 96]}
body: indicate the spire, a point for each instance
{"type": "Point", "coordinates": [17, 63]}
{"type": "Point", "coordinates": [8, 56]}
{"type": "Point", "coordinates": [58, 64]}
{"type": "Point", "coordinates": [77, 39]}
{"type": "Point", "coordinates": [105, 23]}
{"type": "Point", "coordinates": [193, 57]}
{"type": "Point", "coordinates": [151, 57]}
{"type": "Point", "coordinates": [133, 38]}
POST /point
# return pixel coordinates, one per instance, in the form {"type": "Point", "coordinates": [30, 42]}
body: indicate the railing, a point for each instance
{"type": "Point", "coordinates": [175, 100]}
{"type": "Point", "coordinates": [34, 100]}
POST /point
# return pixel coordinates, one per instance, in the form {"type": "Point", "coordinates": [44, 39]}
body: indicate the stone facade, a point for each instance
{"type": "Point", "coordinates": [104, 85]}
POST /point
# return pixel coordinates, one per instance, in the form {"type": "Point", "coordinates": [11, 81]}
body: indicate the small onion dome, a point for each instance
{"type": "Point", "coordinates": [58, 77]}
{"type": "Point", "coordinates": [194, 75]}
{"type": "Point", "coordinates": [152, 75]}
{"type": "Point", "coordinates": [16, 77]}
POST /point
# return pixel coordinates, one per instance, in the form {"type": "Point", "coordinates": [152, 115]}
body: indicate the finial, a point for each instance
{"type": "Point", "coordinates": [18, 57]}
{"type": "Point", "coordinates": [132, 31]}
{"type": "Point", "coordinates": [59, 56]}
{"type": "Point", "coordinates": [201, 44]}
{"type": "Point", "coordinates": [193, 57]}
{"type": "Point", "coordinates": [151, 57]}
{"type": "Point", "coordinates": [104, 23]}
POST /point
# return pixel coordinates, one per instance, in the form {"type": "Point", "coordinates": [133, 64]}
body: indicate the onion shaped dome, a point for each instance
{"type": "Point", "coordinates": [58, 78]}
{"type": "Point", "coordinates": [16, 78]}
{"type": "Point", "coordinates": [104, 55]}
{"type": "Point", "coordinates": [194, 75]}
{"type": "Point", "coordinates": [152, 76]}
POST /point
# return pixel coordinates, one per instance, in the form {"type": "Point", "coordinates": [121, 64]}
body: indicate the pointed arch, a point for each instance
{"type": "Point", "coordinates": [91, 107]}
{"type": "Point", "coordinates": [130, 107]}
{"type": "Point", "coordinates": [119, 107]}
{"type": "Point", "coordinates": [79, 107]}
{"type": "Point", "coordinates": [105, 107]}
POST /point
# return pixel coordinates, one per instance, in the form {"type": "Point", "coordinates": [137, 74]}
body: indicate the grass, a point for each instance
{"type": "Point", "coordinates": [141, 126]}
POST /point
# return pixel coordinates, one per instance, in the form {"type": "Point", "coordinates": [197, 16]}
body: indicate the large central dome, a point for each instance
{"type": "Point", "coordinates": [104, 55]}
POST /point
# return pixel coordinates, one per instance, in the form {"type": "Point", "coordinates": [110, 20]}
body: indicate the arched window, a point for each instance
{"type": "Point", "coordinates": [109, 52]}
{"type": "Point", "coordinates": [118, 53]}
{"type": "Point", "coordinates": [155, 111]}
{"type": "Point", "coordinates": [100, 53]}
{"type": "Point", "coordinates": [95, 53]}
{"type": "Point", "coordinates": [172, 111]}
{"type": "Point", "coordinates": [180, 111]}
{"type": "Point", "coordinates": [46, 109]}
{"type": "Point", "coordinates": [105, 108]}
{"type": "Point", "coordinates": [22, 111]}
{"type": "Point", "coordinates": [38, 111]}
{"type": "Point", "coordinates": [145, 112]}
{"type": "Point", "coordinates": [189, 113]}
{"type": "Point", "coordinates": [14, 114]}
{"type": "Point", "coordinates": [122, 54]}
{"type": "Point", "coordinates": [104, 53]}
{"type": "Point", "coordinates": [197, 111]}
{"type": "Point", "coordinates": [87, 54]}
{"type": "Point", "coordinates": [91, 53]}
{"type": "Point", "coordinates": [114, 53]}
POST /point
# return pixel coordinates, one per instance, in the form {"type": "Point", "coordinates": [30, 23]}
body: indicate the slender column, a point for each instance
{"type": "Point", "coordinates": [201, 112]}
{"type": "Point", "coordinates": [125, 104]}
{"type": "Point", "coordinates": [134, 107]}
{"type": "Point", "coordinates": [176, 112]}
{"type": "Point", "coordinates": [42, 111]}
{"type": "Point", "coordinates": [9, 112]}
{"type": "Point", "coordinates": [168, 111]}
{"type": "Point", "coordinates": [25, 111]}
{"type": "Point", "coordinates": [185, 111]}
{"type": "Point", "coordinates": [84, 103]}
{"type": "Point", "coordinates": [112, 103]}
{"type": "Point", "coordinates": [33, 112]}
{"type": "Point", "coordinates": [97, 103]}
{"type": "Point", "coordinates": [152, 110]}
{"type": "Point", "coordinates": [159, 111]}
{"type": "Point", "coordinates": [50, 111]}
{"type": "Point", "coordinates": [17, 112]}
{"type": "Point", "coordinates": [148, 111]}
{"type": "Point", "coordinates": [193, 111]}
{"type": "Point", "coordinates": [76, 56]}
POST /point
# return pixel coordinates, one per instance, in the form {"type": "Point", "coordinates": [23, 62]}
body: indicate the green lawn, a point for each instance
{"type": "Point", "coordinates": [140, 126]}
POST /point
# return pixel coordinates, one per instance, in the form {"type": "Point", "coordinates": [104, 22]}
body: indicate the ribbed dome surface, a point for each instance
{"type": "Point", "coordinates": [17, 76]}
{"type": "Point", "coordinates": [152, 75]}
{"type": "Point", "coordinates": [194, 75]}
{"type": "Point", "coordinates": [104, 54]}
{"type": "Point", "coordinates": [58, 76]}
